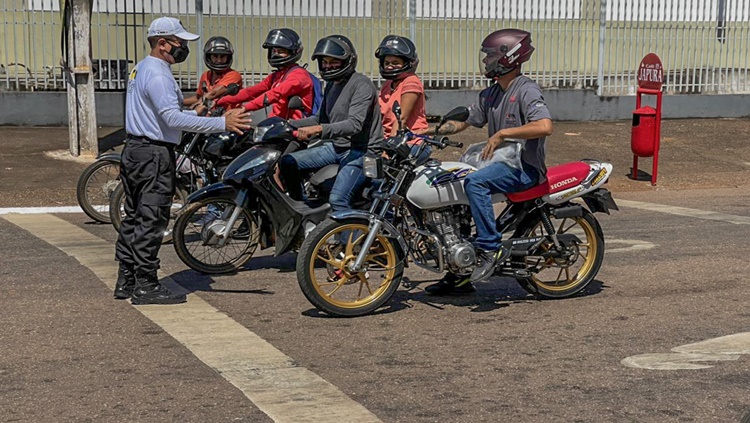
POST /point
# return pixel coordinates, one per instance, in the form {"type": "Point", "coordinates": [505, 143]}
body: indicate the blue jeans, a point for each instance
{"type": "Point", "coordinates": [479, 187]}
{"type": "Point", "coordinates": [349, 180]}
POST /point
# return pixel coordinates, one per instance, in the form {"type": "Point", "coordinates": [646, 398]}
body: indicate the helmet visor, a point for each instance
{"type": "Point", "coordinates": [393, 47]}
{"type": "Point", "coordinates": [278, 39]}
{"type": "Point", "coordinates": [331, 48]}
{"type": "Point", "coordinates": [489, 64]}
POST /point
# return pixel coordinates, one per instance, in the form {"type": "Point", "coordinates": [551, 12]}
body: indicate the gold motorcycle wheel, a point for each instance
{"type": "Point", "coordinates": [561, 277]}
{"type": "Point", "coordinates": [324, 275]}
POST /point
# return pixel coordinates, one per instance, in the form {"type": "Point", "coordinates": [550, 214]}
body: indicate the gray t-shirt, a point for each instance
{"type": "Point", "coordinates": [522, 103]}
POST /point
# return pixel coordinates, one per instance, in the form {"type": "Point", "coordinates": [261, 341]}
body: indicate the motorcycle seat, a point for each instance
{"type": "Point", "coordinates": [324, 174]}
{"type": "Point", "coordinates": [559, 178]}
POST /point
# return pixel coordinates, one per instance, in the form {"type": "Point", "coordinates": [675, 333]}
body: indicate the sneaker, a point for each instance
{"type": "Point", "coordinates": [451, 284]}
{"type": "Point", "coordinates": [486, 262]}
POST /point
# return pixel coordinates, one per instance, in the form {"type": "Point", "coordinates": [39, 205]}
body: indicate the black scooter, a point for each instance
{"type": "Point", "coordinates": [222, 224]}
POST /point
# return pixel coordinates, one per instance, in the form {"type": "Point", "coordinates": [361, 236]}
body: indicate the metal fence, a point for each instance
{"type": "Point", "coordinates": [581, 44]}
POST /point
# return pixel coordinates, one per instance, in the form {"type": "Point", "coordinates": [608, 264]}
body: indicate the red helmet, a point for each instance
{"type": "Point", "coordinates": [505, 50]}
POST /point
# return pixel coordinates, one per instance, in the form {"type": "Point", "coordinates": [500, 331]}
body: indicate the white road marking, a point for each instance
{"type": "Point", "coordinates": [270, 379]}
{"type": "Point", "coordinates": [684, 211]}
{"type": "Point", "coordinates": [41, 210]}
{"type": "Point", "coordinates": [692, 356]}
{"type": "Point", "coordinates": [631, 245]}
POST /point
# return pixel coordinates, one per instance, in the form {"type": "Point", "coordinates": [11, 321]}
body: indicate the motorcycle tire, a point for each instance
{"type": "Point", "coordinates": [590, 251]}
{"type": "Point", "coordinates": [195, 241]}
{"type": "Point", "coordinates": [95, 187]}
{"type": "Point", "coordinates": [325, 279]}
{"type": "Point", "coordinates": [117, 210]}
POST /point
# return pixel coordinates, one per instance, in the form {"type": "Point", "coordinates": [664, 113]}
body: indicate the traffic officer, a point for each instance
{"type": "Point", "coordinates": [153, 121]}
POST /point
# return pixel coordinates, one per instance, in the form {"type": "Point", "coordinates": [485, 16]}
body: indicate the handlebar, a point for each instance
{"type": "Point", "coordinates": [440, 142]}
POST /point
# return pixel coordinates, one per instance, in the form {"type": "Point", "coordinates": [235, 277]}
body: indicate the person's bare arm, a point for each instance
{"type": "Point", "coordinates": [537, 129]}
{"type": "Point", "coordinates": [191, 101]}
{"type": "Point", "coordinates": [408, 100]}
{"type": "Point", "coordinates": [448, 128]}
{"type": "Point", "coordinates": [216, 92]}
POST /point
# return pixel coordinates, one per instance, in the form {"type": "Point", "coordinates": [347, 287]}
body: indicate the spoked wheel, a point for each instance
{"type": "Point", "coordinates": [563, 274]}
{"type": "Point", "coordinates": [95, 187]}
{"type": "Point", "coordinates": [117, 210]}
{"type": "Point", "coordinates": [325, 277]}
{"type": "Point", "coordinates": [197, 239]}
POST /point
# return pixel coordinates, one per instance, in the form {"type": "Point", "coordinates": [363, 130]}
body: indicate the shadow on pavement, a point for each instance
{"type": "Point", "coordinates": [492, 295]}
{"type": "Point", "coordinates": [193, 281]}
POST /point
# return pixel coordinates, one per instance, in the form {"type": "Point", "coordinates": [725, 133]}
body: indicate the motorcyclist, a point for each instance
{"type": "Point", "coordinates": [398, 61]}
{"type": "Point", "coordinates": [348, 122]}
{"type": "Point", "coordinates": [218, 54]}
{"type": "Point", "coordinates": [284, 51]}
{"type": "Point", "coordinates": [513, 108]}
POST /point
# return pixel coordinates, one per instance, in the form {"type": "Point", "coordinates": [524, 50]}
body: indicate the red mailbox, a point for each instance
{"type": "Point", "coordinates": [643, 138]}
{"type": "Point", "coordinates": [646, 130]}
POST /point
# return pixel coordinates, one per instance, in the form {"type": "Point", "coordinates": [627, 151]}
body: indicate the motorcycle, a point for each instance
{"type": "Point", "coordinates": [222, 224]}
{"type": "Point", "coordinates": [96, 185]}
{"type": "Point", "coordinates": [353, 262]}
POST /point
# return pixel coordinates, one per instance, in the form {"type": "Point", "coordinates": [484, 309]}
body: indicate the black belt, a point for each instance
{"type": "Point", "coordinates": [147, 140]}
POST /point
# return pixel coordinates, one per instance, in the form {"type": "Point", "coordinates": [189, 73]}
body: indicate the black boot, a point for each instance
{"type": "Point", "coordinates": [148, 290]}
{"type": "Point", "coordinates": [125, 282]}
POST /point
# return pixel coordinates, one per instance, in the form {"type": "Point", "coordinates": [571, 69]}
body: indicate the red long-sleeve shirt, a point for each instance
{"type": "Point", "coordinates": [276, 90]}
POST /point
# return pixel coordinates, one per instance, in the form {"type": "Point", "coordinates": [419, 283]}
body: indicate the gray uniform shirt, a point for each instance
{"type": "Point", "coordinates": [153, 105]}
{"type": "Point", "coordinates": [350, 115]}
{"type": "Point", "coordinates": [522, 103]}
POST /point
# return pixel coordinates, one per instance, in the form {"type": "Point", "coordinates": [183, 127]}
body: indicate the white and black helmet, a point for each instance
{"type": "Point", "coordinates": [218, 45]}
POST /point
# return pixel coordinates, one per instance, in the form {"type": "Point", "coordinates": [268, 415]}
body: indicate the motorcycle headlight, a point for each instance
{"type": "Point", "coordinates": [373, 167]}
{"type": "Point", "coordinates": [259, 132]}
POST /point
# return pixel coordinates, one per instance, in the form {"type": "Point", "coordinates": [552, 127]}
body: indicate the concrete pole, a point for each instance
{"type": "Point", "coordinates": [80, 81]}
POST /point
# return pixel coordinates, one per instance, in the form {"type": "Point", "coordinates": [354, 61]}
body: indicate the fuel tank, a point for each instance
{"type": "Point", "coordinates": [442, 184]}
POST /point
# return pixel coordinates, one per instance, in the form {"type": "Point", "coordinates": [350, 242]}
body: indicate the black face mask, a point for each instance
{"type": "Point", "coordinates": [179, 54]}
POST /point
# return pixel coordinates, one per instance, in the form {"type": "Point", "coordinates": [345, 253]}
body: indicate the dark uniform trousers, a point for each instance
{"type": "Point", "coordinates": [147, 173]}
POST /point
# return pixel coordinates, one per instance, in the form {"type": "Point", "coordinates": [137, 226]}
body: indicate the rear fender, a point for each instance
{"type": "Point", "coordinates": [598, 176]}
{"type": "Point", "coordinates": [110, 157]}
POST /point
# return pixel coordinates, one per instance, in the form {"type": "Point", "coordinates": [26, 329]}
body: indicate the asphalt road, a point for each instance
{"type": "Point", "coordinates": [253, 349]}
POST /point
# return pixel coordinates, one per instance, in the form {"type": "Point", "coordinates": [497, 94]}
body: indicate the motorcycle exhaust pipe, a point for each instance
{"type": "Point", "coordinates": [570, 211]}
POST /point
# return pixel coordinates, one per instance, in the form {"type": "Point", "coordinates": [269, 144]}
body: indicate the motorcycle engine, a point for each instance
{"type": "Point", "coordinates": [451, 225]}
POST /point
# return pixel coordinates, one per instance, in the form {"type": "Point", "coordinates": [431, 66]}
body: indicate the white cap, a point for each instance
{"type": "Point", "coordinates": [165, 26]}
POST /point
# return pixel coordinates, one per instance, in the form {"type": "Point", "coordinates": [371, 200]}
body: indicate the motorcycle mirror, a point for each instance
{"type": "Point", "coordinates": [295, 103]}
{"type": "Point", "coordinates": [232, 89]}
{"type": "Point", "coordinates": [396, 108]}
{"type": "Point", "coordinates": [459, 114]}
{"type": "Point", "coordinates": [397, 111]}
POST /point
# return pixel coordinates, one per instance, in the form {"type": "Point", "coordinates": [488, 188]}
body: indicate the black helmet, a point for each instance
{"type": "Point", "coordinates": [505, 50]}
{"type": "Point", "coordinates": [218, 45]}
{"type": "Point", "coordinates": [338, 47]}
{"type": "Point", "coordinates": [287, 39]}
{"type": "Point", "coordinates": [395, 45]}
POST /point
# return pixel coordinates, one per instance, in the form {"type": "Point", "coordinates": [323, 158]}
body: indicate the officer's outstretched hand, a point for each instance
{"type": "Point", "coordinates": [237, 120]}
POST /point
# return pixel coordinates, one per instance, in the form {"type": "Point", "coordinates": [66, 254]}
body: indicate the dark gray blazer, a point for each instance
{"type": "Point", "coordinates": [354, 120]}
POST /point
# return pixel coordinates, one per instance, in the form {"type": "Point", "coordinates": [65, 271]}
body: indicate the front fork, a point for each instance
{"type": "Point", "coordinates": [377, 212]}
{"type": "Point", "coordinates": [239, 205]}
